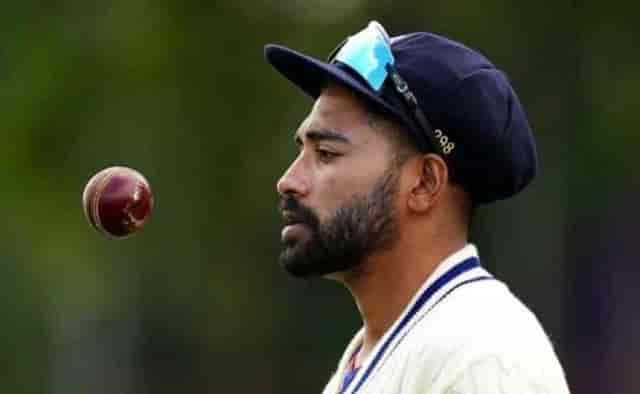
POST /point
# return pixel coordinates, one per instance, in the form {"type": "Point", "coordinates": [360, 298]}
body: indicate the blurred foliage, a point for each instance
{"type": "Point", "coordinates": [179, 90]}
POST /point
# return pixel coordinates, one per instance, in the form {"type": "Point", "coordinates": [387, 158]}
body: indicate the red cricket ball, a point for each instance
{"type": "Point", "coordinates": [117, 201]}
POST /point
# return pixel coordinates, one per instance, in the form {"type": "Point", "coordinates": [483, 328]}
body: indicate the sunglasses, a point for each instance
{"type": "Point", "coordinates": [368, 54]}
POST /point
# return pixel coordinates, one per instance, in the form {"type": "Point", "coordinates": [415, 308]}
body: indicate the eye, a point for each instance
{"type": "Point", "coordinates": [325, 155]}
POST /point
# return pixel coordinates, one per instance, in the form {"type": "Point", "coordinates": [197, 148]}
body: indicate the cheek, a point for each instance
{"type": "Point", "coordinates": [336, 183]}
{"type": "Point", "coordinates": [329, 193]}
{"type": "Point", "coordinates": [334, 189]}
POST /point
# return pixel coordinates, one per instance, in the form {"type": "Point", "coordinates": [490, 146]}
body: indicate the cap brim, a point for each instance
{"type": "Point", "coordinates": [312, 75]}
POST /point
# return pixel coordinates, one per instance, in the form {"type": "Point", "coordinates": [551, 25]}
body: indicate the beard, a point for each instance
{"type": "Point", "coordinates": [361, 226]}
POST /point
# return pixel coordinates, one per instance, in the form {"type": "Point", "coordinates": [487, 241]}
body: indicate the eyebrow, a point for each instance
{"type": "Point", "coordinates": [323, 135]}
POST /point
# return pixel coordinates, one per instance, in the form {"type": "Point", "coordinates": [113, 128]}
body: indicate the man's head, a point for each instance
{"type": "Point", "coordinates": [453, 135]}
{"type": "Point", "coordinates": [357, 183]}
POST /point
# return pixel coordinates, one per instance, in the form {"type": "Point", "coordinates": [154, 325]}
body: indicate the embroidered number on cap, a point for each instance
{"type": "Point", "coordinates": [447, 147]}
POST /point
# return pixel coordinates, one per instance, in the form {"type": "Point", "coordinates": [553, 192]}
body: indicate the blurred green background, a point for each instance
{"type": "Point", "coordinates": [197, 303]}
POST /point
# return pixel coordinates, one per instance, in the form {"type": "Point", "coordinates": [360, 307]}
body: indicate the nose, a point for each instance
{"type": "Point", "coordinates": [294, 181]}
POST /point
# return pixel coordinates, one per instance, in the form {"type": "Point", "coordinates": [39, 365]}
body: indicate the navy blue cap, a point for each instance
{"type": "Point", "coordinates": [462, 94]}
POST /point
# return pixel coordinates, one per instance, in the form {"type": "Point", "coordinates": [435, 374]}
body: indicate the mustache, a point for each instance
{"type": "Point", "coordinates": [294, 212]}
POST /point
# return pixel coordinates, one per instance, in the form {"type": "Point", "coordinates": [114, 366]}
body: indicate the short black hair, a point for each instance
{"type": "Point", "coordinates": [401, 138]}
{"type": "Point", "coordinates": [403, 146]}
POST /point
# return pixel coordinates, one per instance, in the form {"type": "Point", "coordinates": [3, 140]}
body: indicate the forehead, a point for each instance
{"type": "Point", "coordinates": [337, 109]}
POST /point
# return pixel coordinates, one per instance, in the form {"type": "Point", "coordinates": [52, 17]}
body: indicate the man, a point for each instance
{"type": "Point", "coordinates": [405, 138]}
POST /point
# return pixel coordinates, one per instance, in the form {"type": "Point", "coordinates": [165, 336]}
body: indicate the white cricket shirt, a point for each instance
{"type": "Point", "coordinates": [463, 332]}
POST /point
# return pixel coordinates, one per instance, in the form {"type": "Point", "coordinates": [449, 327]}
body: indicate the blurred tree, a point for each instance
{"type": "Point", "coordinates": [180, 91]}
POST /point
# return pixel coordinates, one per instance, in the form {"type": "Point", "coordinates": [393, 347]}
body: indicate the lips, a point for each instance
{"type": "Point", "coordinates": [295, 227]}
{"type": "Point", "coordinates": [291, 218]}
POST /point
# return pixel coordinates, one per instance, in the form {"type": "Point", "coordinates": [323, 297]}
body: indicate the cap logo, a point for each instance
{"type": "Point", "coordinates": [446, 145]}
{"type": "Point", "coordinates": [401, 85]}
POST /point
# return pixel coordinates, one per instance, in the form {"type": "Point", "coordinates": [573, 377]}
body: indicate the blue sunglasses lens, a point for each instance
{"type": "Point", "coordinates": [368, 54]}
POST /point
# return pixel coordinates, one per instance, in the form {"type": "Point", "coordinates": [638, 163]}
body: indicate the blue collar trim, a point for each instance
{"type": "Point", "coordinates": [447, 277]}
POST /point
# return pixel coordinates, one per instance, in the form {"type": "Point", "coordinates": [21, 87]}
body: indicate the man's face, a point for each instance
{"type": "Point", "coordinates": [337, 197]}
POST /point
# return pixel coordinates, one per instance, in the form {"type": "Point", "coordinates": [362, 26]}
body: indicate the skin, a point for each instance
{"type": "Point", "coordinates": [342, 153]}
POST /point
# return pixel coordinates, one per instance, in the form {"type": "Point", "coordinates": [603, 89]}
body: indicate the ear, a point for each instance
{"type": "Point", "coordinates": [431, 178]}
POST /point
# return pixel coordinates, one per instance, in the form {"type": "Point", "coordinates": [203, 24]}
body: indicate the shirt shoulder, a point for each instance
{"type": "Point", "coordinates": [481, 326]}
{"type": "Point", "coordinates": [485, 310]}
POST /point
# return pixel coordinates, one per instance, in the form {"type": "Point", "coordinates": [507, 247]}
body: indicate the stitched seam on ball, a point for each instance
{"type": "Point", "coordinates": [95, 206]}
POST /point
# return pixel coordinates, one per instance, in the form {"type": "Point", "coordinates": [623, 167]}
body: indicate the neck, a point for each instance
{"type": "Point", "coordinates": [385, 283]}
